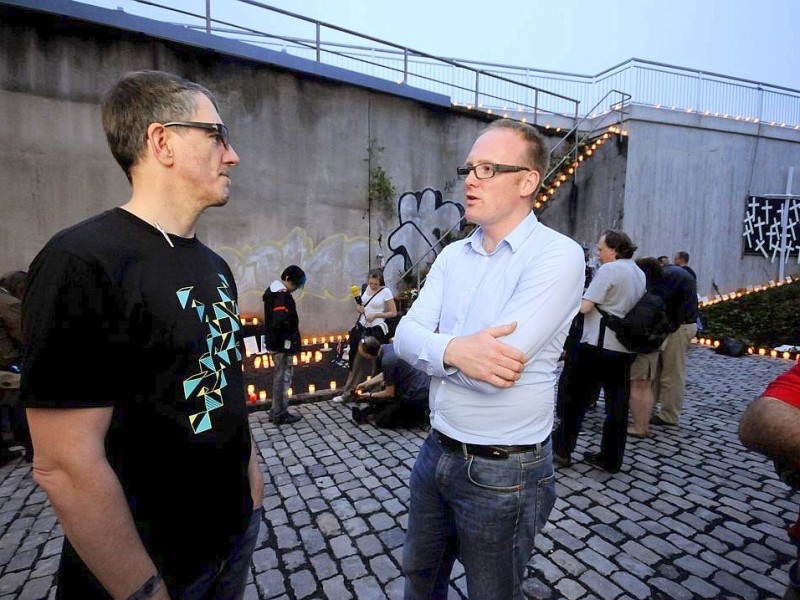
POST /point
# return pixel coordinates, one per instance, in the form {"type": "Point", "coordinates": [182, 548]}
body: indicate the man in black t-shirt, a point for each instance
{"type": "Point", "coordinates": [132, 325]}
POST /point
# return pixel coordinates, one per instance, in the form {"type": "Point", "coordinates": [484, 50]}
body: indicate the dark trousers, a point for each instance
{"type": "Point", "coordinates": [591, 369]}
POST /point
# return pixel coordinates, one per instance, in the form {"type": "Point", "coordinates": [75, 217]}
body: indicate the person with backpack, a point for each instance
{"type": "Point", "coordinates": [679, 290]}
{"type": "Point", "coordinates": [645, 366]}
{"type": "Point", "coordinates": [601, 359]}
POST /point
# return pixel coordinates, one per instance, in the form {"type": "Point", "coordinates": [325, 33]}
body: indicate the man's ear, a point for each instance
{"type": "Point", "coordinates": [159, 144]}
{"type": "Point", "coordinates": [530, 183]}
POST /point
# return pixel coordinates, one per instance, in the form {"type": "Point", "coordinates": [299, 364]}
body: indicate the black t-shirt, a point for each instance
{"type": "Point", "coordinates": [114, 316]}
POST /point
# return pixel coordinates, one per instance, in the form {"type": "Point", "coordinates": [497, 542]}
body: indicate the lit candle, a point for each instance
{"type": "Point", "coordinates": [289, 392]}
{"type": "Point", "coordinates": [255, 320]}
{"type": "Point", "coordinates": [326, 345]}
{"type": "Point", "coordinates": [257, 362]}
{"type": "Point", "coordinates": [251, 388]}
{"type": "Point", "coordinates": [311, 388]}
{"type": "Point", "coordinates": [318, 356]}
{"type": "Point", "coordinates": [305, 341]}
{"type": "Point", "coordinates": [262, 395]}
{"type": "Point", "coordinates": [313, 340]}
{"type": "Point", "coordinates": [294, 360]}
{"type": "Point", "coordinates": [333, 385]}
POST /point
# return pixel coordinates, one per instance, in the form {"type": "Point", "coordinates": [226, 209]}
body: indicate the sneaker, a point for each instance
{"type": "Point", "coordinates": [339, 398]}
{"type": "Point", "coordinates": [286, 419]}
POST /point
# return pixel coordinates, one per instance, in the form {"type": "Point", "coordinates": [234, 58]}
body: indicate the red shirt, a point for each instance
{"type": "Point", "coordinates": [786, 387]}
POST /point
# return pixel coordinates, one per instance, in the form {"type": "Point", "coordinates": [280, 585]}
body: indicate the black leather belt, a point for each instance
{"type": "Point", "coordinates": [495, 452]}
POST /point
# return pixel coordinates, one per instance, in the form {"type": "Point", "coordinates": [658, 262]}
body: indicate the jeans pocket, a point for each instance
{"type": "Point", "coordinates": [545, 500]}
{"type": "Point", "coordinates": [495, 475]}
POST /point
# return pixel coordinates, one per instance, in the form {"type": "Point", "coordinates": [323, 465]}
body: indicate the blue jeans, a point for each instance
{"type": "Point", "coordinates": [482, 511]}
{"type": "Point", "coordinates": [281, 382]}
{"type": "Point", "coordinates": [226, 580]}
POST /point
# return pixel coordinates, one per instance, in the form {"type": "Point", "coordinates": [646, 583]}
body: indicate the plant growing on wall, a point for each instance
{"type": "Point", "coordinates": [381, 191]}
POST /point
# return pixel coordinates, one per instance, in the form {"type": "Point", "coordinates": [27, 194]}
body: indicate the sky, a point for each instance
{"type": "Point", "coordinates": [749, 39]}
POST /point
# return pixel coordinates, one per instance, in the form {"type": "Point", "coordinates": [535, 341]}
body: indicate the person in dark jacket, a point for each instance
{"type": "Point", "coordinates": [282, 338]}
{"type": "Point", "coordinates": [398, 395]}
{"type": "Point", "coordinates": [679, 290]}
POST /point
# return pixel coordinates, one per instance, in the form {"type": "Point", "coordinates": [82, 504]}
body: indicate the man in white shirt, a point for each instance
{"type": "Point", "coordinates": [489, 326]}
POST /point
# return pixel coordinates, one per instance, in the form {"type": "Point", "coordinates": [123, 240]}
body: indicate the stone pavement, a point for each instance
{"type": "Point", "coordinates": [691, 515]}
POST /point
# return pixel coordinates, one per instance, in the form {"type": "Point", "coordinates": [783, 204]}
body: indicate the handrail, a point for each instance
{"type": "Point", "coordinates": [488, 89]}
{"type": "Point", "coordinates": [618, 107]}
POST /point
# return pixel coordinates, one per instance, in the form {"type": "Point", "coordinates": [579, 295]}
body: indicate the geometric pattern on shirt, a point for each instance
{"type": "Point", "coordinates": [222, 351]}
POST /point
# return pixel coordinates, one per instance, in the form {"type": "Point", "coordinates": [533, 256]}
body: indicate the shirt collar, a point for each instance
{"type": "Point", "coordinates": [514, 239]}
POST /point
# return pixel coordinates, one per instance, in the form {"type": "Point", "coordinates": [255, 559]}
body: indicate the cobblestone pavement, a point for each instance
{"type": "Point", "coordinates": [691, 515]}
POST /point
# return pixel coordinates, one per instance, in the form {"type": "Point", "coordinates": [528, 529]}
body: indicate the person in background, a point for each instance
{"type": "Point", "coordinates": [679, 290]}
{"type": "Point", "coordinates": [151, 468]}
{"type": "Point", "coordinates": [398, 395]}
{"type": "Point", "coordinates": [375, 305]}
{"type": "Point", "coordinates": [573, 340]}
{"type": "Point", "coordinates": [771, 426]}
{"type": "Point", "coordinates": [12, 290]}
{"type": "Point", "coordinates": [681, 259]}
{"type": "Point", "coordinates": [601, 360]}
{"type": "Point", "coordinates": [664, 260]}
{"type": "Point", "coordinates": [645, 366]}
{"type": "Point", "coordinates": [489, 326]}
{"type": "Point", "coordinates": [282, 339]}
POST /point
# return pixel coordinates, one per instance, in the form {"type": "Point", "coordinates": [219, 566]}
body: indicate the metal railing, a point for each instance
{"type": "Point", "coordinates": [519, 92]}
{"type": "Point", "coordinates": [465, 85]}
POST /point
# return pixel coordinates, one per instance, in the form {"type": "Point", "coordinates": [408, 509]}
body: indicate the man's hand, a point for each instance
{"type": "Point", "coordinates": [483, 357]}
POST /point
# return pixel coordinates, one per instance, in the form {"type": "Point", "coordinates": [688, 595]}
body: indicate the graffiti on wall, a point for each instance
{"type": "Point", "coordinates": [423, 217]}
{"type": "Point", "coordinates": [763, 231]}
{"type": "Point", "coordinates": [339, 260]}
{"type": "Point", "coordinates": [328, 265]}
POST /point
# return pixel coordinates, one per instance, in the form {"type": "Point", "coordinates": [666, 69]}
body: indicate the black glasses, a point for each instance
{"type": "Point", "coordinates": [218, 128]}
{"type": "Point", "coordinates": [488, 170]}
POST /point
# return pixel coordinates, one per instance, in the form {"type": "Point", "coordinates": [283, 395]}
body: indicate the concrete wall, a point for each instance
{"type": "Point", "coordinates": [675, 182]}
{"type": "Point", "coordinates": [680, 181]}
{"type": "Point", "coordinates": [299, 195]}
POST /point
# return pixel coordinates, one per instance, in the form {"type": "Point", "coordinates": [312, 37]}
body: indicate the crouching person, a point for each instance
{"type": "Point", "coordinates": [398, 395]}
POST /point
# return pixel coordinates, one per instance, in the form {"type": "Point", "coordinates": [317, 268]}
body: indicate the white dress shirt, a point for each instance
{"type": "Point", "coordinates": [534, 277]}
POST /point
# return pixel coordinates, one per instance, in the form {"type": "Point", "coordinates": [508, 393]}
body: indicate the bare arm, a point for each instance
{"type": "Point", "coordinates": [483, 357]}
{"type": "Point", "coordinates": [384, 394]}
{"type": "Point", "coordinates": [255, 476]}
{"type": "Point", "coordinates": [370, 383]}
{"type": "Point", "coordinates": [586, 306]}
{"type": "Point", "coordinates": [70, 465]}
{"type": "Point", "coordinates": [771, 427]}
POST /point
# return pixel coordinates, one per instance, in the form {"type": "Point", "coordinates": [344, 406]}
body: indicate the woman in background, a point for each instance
{"type": "Point", "coordinates": [377, 304]}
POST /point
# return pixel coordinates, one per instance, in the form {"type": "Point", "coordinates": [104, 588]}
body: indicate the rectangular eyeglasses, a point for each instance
{"type": "Point", "coordinates": [220, 129]}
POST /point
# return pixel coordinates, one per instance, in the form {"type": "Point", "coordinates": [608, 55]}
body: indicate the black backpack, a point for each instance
{"type": "Point", "coordinates": [644, 328]}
